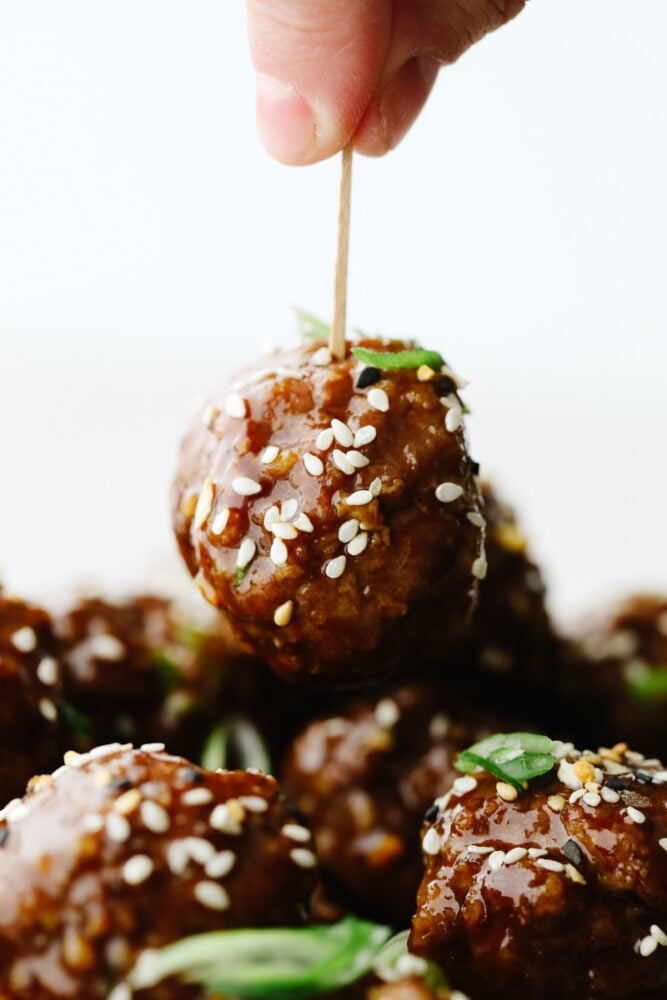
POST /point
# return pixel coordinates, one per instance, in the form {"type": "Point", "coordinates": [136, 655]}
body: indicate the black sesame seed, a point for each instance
{"type": "Point", "coordinates": [644, 777]}
{"type": "Point", "coordinates": [119, 785]}
{"type": "Point", "coordinates": [190, 775]}
{"type": "Point", "coordinates": [617, 784]}
{"type": "Point", "coordinates": [431, 813]}
{"type": "Point", "coordinates": [474, 468]}
{"type": "Point", "coordinates": [573, 852]}
{"type": "Point", "coordinates": [368, 377]}
{"type": "Point", "coordinates": [443, 385]}
{"type": "Point", "coordinates": [4, 835]}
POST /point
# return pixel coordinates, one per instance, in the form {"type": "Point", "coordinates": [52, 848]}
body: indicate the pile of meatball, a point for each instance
{"type": "Point", "coordinates": [377, 612]}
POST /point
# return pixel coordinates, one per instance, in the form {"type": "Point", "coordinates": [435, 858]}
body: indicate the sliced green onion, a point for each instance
{"type": "Point", "coordinates": [267, 964]}
{"type": "Point", "coordinates": [392, 360]}
{"type": "Point", "coordinates": [648, 684]}
{"type": "Point", "coordinates": [236, 736]}
{"type": "Point", "coordinates": [514, 757]}
{"type": "Point", "coordinates": [395, 962]}
{"type": "Point", "coordinates": [168, 671]}
{"type": "Point", "coordinates": [74, 719]}
{"type": "Point", "coordinates": [311, 326]}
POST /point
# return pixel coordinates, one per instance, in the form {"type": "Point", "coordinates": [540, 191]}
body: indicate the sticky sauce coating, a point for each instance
{"type": "Point", "coordinates": [335, 521]}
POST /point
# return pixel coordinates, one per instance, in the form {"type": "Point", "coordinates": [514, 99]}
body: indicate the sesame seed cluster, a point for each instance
{"type": "Point", "coordinates": [118, 840]}
{"type": "Point", "coordinates": [589, 839]}
{"type": "Point", "coordinates": [331, 516]}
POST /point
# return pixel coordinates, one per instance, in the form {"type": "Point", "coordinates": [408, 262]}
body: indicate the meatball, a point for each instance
{"type": "Point", "coordinates": [558, 891]}
{"type": "Point", "coordinates": [336, 522]}
{"type": "Point", "coordinates": [614, 683]}
{"type": "Point", "coordinates": [30, 695]}
{"type": "Point", "coordinates": [364, 779]}
{"type": "Point", "coordinates": [121, 850]}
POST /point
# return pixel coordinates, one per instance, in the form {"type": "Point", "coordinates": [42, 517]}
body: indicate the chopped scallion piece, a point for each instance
{"type": "Point", "coordinates": [395, 962]}
{"type": "Point", "coordinates": [235, 741]}
{"type": "Point", "coordinates": [648, 684]}
{"type": "Point", "coordinates": [74, 719]}
{"type": "Point", "coordinates": [513, 757]}
{"type": "Point", "coordinates": [395, 360]}
{"type": "Point", "coordinates": [311, 326]}
{"type": "Point", "coordinates": [267, 963]}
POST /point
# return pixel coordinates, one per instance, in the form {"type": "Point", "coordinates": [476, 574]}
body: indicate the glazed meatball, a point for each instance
{"type": "Point", "coordinates": [122, 850]}
{"type": "Point", "coordinates": [558, 891]}
{"type": "Point", "coordinates": [364, 779]}
{"type": "Point", "coordinates": [614, 683]}
{"type": "Point", "coordinates": [333, 515]}
{"type": "Point", "coordinates": [30, 695]}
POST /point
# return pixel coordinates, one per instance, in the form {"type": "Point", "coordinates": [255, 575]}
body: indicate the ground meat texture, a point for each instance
{"type": "Point", "coordinates": [614, 682]}
{"type": "Point", "coordinates": [560, 892]}
{"type": "Point", "coordinates": [30, 695]}
{"type": "Point", "coordinates": [364, 779]}
{"type": "Point", "coordinates": [122, 850]}
{"type": "Point", "coordinates": [337, 526]}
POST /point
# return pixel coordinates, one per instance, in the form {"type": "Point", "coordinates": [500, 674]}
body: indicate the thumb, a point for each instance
{"type": "Point", "coordinates": [318, 63]}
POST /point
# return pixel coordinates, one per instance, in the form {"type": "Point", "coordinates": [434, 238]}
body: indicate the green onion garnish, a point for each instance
{"type": "Point", "coordinates": [238, 738]}
{"type": "Point", "coordinates": [647, 684]}
{"type": "Point", "coordinates": [268, 963]}
{"type": "Point", "coordinates": [386, 360]}
{"type": "Point", "coordinates": [514, 757]}
{"type": "Point", "coordinates": [168, 671]}
{"type": "Point", "coordinates": [395, 962]}
{"type": "Point", "coordinates": [311, 326]}
{"type": "Point", "coordinates": [74, 719]}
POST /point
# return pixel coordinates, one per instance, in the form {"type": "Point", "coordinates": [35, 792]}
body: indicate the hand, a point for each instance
{"type": "Point", "coordinates": [332, 70]}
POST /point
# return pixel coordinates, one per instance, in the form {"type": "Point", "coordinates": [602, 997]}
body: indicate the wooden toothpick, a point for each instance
{"type": "Point", "coordinates": [337, 344]}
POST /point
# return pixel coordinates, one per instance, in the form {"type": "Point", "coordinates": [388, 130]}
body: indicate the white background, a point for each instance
{"type": "Point", "coordinates": [148, 245]}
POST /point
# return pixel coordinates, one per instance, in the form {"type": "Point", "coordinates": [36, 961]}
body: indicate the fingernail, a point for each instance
{"type": "Point", "coordinates": [285, 121]}
{"type": "Point", "coordinates": [404, 96]}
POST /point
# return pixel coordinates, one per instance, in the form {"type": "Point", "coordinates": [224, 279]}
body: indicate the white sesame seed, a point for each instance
{"type": "Point", "coordinates": [515, 854]}
{"type": "Point", "coordinates": [303, 523]}
{"type": "Point", "coordinates": [48, 670]}
{"type": "Point", "coordinates": [663, 843]}
{"type": "Point", "coordinates": [635, 815]}
{"type": "Point", "coordinates": [235, 406]}
{"type": "Point", "coordinates": [364, 436]}
{"type": "Point", "coordinates": [431, 842]}
{"type": "Point", "coordinates": [313, 464]}
{"type": "Point", "coordinates": [137, 869]}
{"type": "Point", "coordinates": [254, 803]}
{"type": "Point", "coordinates": [479, 849]}
{"type": "Point", "coordinates": [204, 503]}
{"type": "Point", "coordinates": [609, 794]}
{"type": "Point", "coordinates": [536, 852]}
{"type": "Point", "coordinates": [178, 858]}
{"type": "Point", "coordinates": [359, 498]}
{"type": "Point", "coordinates": [16, 810]}
{"type": "Point", "coordinates": [197, 797]}
{"type": "Point", "coordinates": [47, 709]}
{"type": "Point", "coordinates": [476, 519]}
{"type": "Point", "coordinates": [92, 823]}
{"type": "Point", "coordinates": [283, 530]}
{"type": "Point", "coordinates": [271, 515]}
{"type": "Point", "coordinates": [198, 849]}
{"type": "Point", "coordinates": [154, 817]}
{"type": "Point", "coordinates": [222, 819]}
{"type": "Point", "coordinates": [479, 567]}
{"type": "Point", "coordinates": [282, 616]}
{"type": "Point", "coordinates": [246, 487]}
{"type": "Point", "coordinates": [496, 860]}
{"type": "Point", "coordinates": [342, 433]}
{"type": "Point", "coordinates": [574, 874]}
{"type": "Point", "coordinates": [549, 865]}
{"type": "Point", "coordinates": [634, 756]}
{"type": "Point", "coordinates": [288, 509]}
{"type": "Point", "coordinates": [209, 413]}
{"type": "Point", "coordinates": [220, 521]}
{"type": "Point", "coordinates": [378, 399]}
{"type": "Point", "coordinates": [303, 857]}
{"type": "Point", "coordinates": [453, 419]}
{"type": "Point", "coordinates": [151, 747]}
{"type": "Point", "coordinates": [575, 796]}
{"type": "Point", "coordinates": [358, 544]}
{"type": "Point", "coordinates": [647, 946]}
{"type": "Point", "coordinates": [348, 530]}
{"type": "Point", "coordinates": [466, 783]}
{"type": "Point", "coordinates": [376, 487]}
{"type": "Point", "coordinates": [324, 439]}
{"type": "Point", "coordinates": [289, 372]}
{"type": "Point", "coordinates": [278, 553]}
{"type": "Point", "coordinates": [117, 828]}
{"type": "Point", "coordinates": [387, 713]}
{"type": "Point", "coordinates": [659, 935]}
{"type": "Point", "coordinates": [121, 991]}
{"type": "Point", "coordinates": [294, 831]}
{"type": "Point", "coordinates": [321, 357]}
{"type": "Point", "coordinates": [211, 895]}
{"type": "Point", "coordinates": [269, 454]}
{"type": "Point", "coordinates": [341, 462]}
{"type": "Point", "coordinates": [439, 726]}
{"type": "Point", "coordinates": [220, 864]}
{"type": "Point", "coordinates": [335, 568]}
{"type": "Point", "coordinates": [356, 459]}
{"type": "Point", "coordinates": [106, 647]}
{"type": "Point", "coordinates": [246, 553]}
{"type": "Point", "coordinates": [24, 639]}
{"type": "Point", "coordinates": [411, 965]}
{"type": "Point", "coordinates": [446, 492]}
{"type": "Point", "coordinates": [591, 799]}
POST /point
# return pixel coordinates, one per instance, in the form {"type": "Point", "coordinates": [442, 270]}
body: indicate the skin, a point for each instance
{"type": "Point", "coordinates": [332, 71]}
